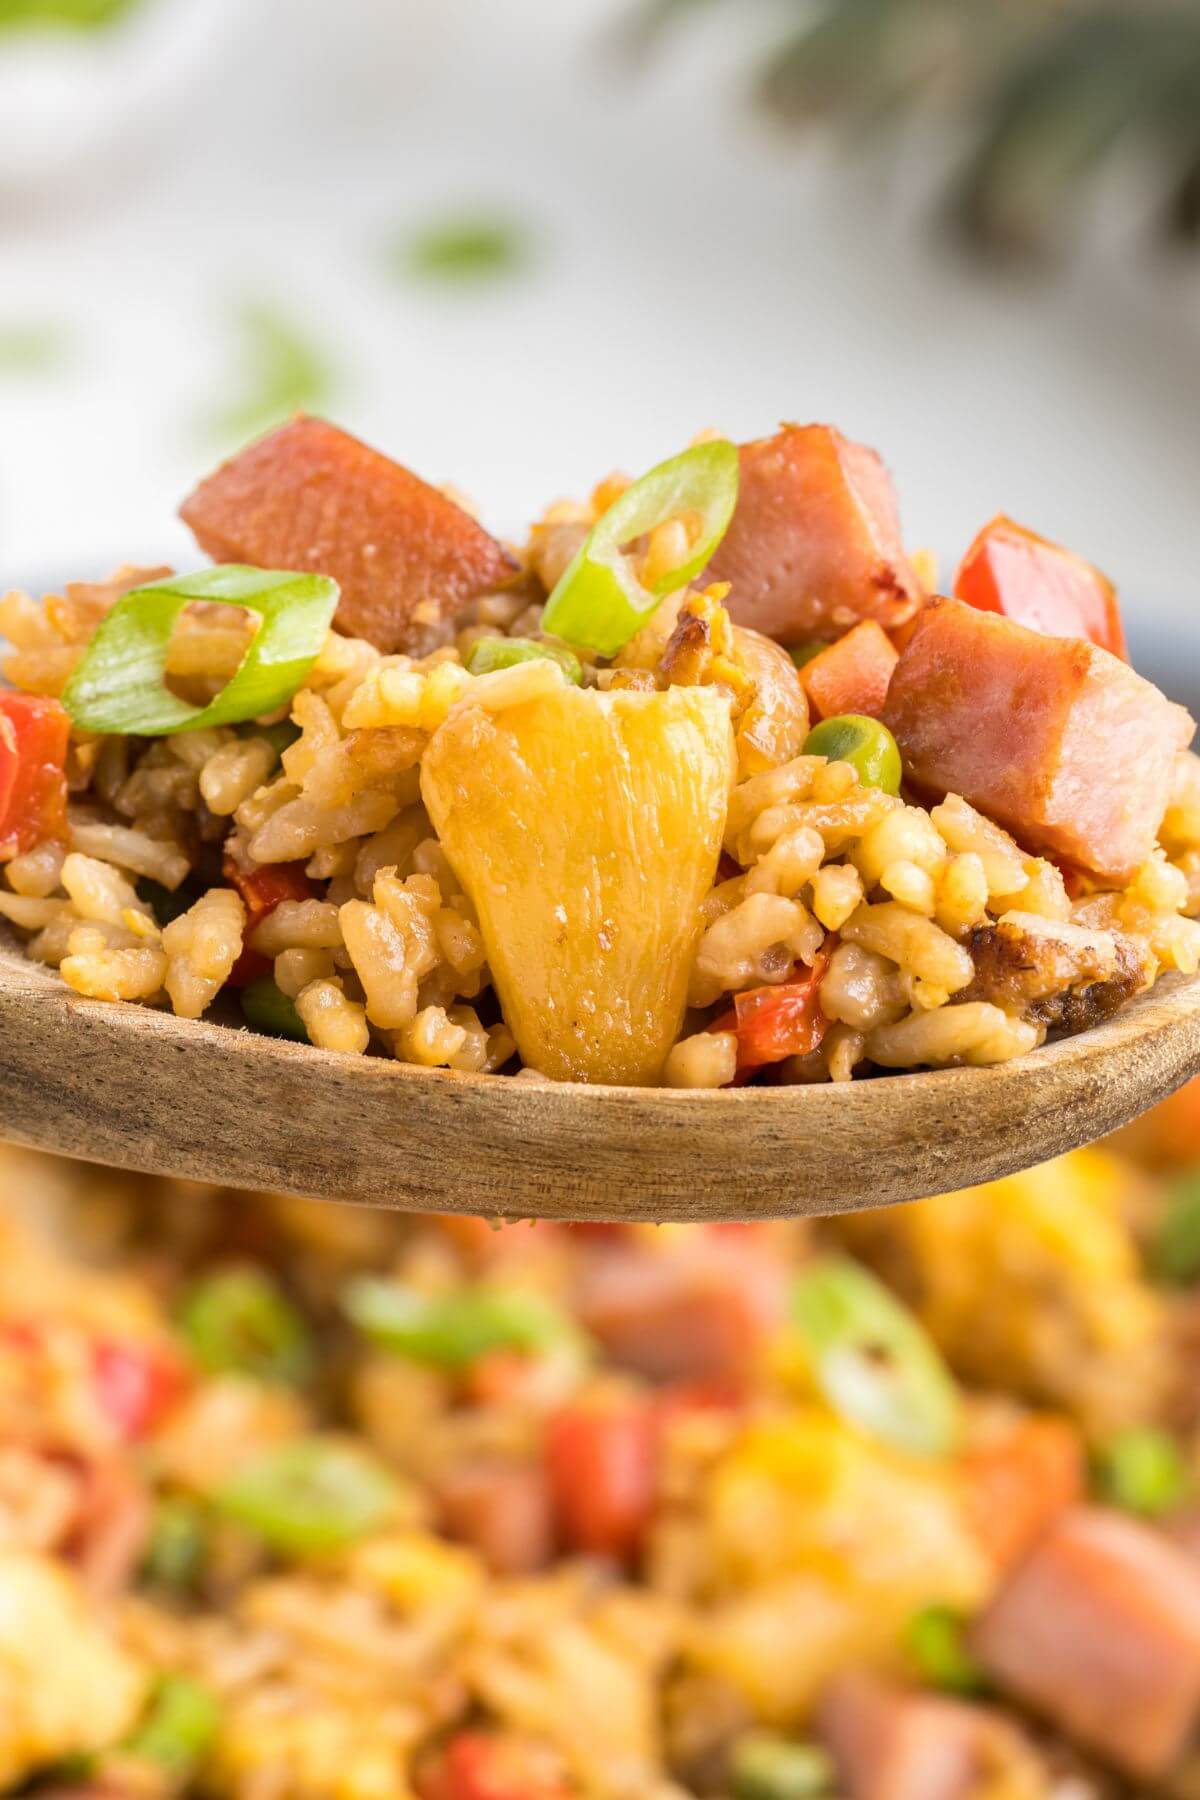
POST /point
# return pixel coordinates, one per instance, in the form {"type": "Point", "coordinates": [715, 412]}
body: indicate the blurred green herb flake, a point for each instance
{"type": "Point", "coordinates": [280, 371]}
{"type": "Point", "coordinates": [65, 15]}
{"type": "Point", "coordinates": [464, 249]}
{"type": "Point", "coordinates": [30, 346]}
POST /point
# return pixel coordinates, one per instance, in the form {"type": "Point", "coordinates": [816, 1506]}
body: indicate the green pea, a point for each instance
{"type": "Point", "coordinates": [238, 1320]}
{"type": "Point", "coordinates": [937, 1648]}
{"type": "Point", "coordinates": [310, 1497]}
{"type": "Point", "coordinates": [180, 1727]}
{"type": "Point", "coordinates": [1175, 1253]}
{"type": "Point", "coordinates": [804, 653]}
{"type": "Point", "coordinates": [763, 1766]}
{"type": "Point", "coordinates": [281, 736]}
{"type": "Point", "coordinates": [167, 903]}
{"type": "Point", "coordinates": [176, 1550]}
{"type": "Point", "coordinates": [488, 654]}
{"type": "Point", "coordinates": [266, 1007]}
{"type": "Point", "coordinates": [872, 1360]}
{"type": "Point", "coordinates": [865, 743]}
{"type": "Point", "coordinates": [453, 1330]}
{"type": "Point", "coordinates": [1142, 1470]}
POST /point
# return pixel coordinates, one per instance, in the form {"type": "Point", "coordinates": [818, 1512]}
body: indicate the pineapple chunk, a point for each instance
{"type": "Point", "coordinates": [585, 828]}
{"type": "Point", "coordinates": [66, 1687]}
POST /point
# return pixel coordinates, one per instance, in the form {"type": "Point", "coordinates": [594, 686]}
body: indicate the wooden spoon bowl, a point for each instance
{"type": "Point", "coordinates": [144, 1090]}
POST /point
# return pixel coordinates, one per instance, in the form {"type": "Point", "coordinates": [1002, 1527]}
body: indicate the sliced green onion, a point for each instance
{"type": "Point", "coordinates": [763, 1766]}
{"type": "Point", "coordinates": [265, 1006]}
{"type": "Point", "coordinates": [936, 1645]}
{"type": "Point", "coordinates": [178, 1543]}
{"type": "Point", "coordinates": [864, 743]}
{"type": "Point", "coordinates": [310, 1497]}
{"type": "Point", "coordinates": [872, 1361]}
{"type": "Point", "coordinates": [1142, 1470]}
{"type": "Point", "coordinates": [599, 601]}
{"type": "Point", "coordinates": [454, 1330]}
{"type": "Point", "coordinates": [180, 1728]}
{"type": "Point", "coordinates": [238, 1320]}
{"type": "Point", "coordinates": [1175, 1253]}
{"type": "Point", "coordinates": [120, 687]}
{"type": "Point", "coordinates": [488, 654]}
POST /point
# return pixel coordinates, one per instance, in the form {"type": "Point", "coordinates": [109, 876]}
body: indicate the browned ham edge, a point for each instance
{"type": "Point", "coordinates": [814, 545]}
{"type": "Point", "coordinates": [1060, 975]}
{"type": "Point", "coordinates": [311, 497]}
{"type": "Point", "coordinates": [698, 1313]}
{"type": "Point", "coordinates": [1059, 741]}
{"type": "Point", "coordinates": [893, 1743]}
{"type": "Point", "coordinates": [1099, 1631]}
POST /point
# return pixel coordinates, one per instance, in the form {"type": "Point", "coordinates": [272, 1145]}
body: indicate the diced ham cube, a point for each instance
{"type": "Point", "coordinates": [852, 675]}
{"type": "Point", "coordinates": [502, 1509]}
{"type": "Point", "coordinates": [311, 497]}
{"type": "Point", "coordinates": [696, 1312]}
{"type": "Point", "coordinates": [893, 1743]}
{"type": "Point", "coordinates": [1052, 737]}
{"type": "Point", "coordinates": [34, 733]}
{"type": "Point", "coordinates": [1099, 1630]}
{"type": "Point", "coordinates": [815, 543]}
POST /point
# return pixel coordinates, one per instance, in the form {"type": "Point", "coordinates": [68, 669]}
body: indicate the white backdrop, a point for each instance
{"type": "Point", "coordinates": [692, 270]}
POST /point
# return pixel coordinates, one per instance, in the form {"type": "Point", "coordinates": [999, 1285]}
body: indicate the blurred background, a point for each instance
{"type": "Point", "coordinates": [520, 243]}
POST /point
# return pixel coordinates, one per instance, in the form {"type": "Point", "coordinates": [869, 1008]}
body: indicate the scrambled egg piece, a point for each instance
{"type": "Point", "coordinates": [1077, 1325]}
{"type": "Point", "coordinates": [827, 1542]}
{"type": "Point", "coordinates": [96, 1692]}
{"type": "Point", "coordinates": [313, 1749]}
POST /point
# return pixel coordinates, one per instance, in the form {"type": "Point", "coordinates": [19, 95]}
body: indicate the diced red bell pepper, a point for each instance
{"type": "Point", "coordinates": [8, 762]}
{"type": "Point", "coordinates": [1011, 570]}
{"type": "Point", "coordinates": [136, 1384]}
{"type": "Point", "coordinates": [601, 1459]}
{"type": "Point", "coordinates": [851, 675]}
{"type": "Point", "coordinates": [480, 1765]}
{"type": "Point", "coordinates": [33, 782]}
{"type": "Point", "coordinates": [1016, 1488]}
{"type": "Point", "coordinates": [262, 889]}
{"type": "Point", "coordinates": [774, 1022]}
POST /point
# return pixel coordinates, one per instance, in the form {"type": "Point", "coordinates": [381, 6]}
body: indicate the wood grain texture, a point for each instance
{"type": "Point", "coordinates": [144, 1090]}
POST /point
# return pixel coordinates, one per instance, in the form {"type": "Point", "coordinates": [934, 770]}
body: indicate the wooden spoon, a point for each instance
{"type": "Point", "coordinates": [145, 1090]}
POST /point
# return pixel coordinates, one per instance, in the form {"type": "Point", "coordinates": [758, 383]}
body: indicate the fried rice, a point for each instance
{"type": "Point", "coordinates": [781, 919]}
{"type": "Point", "coordinates": [300, 1503]}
